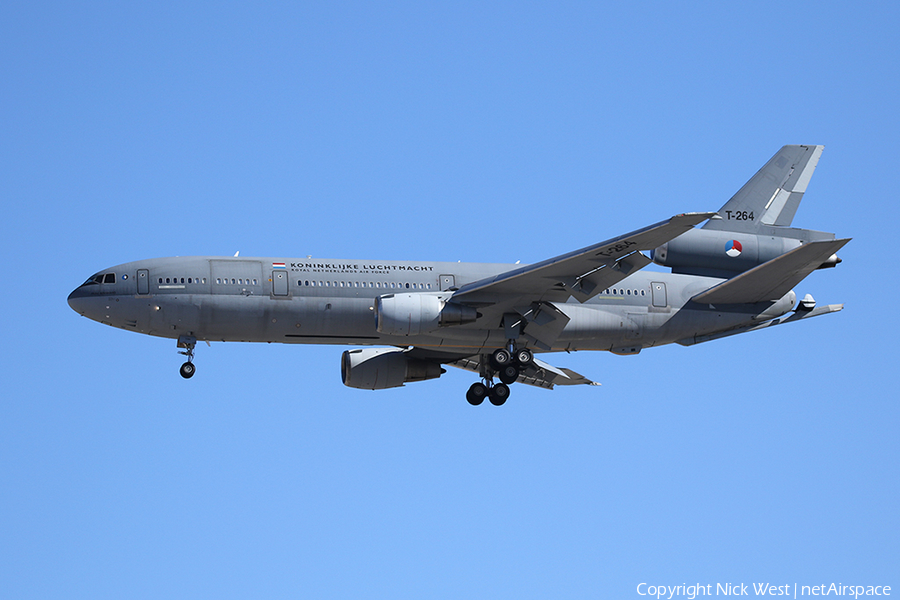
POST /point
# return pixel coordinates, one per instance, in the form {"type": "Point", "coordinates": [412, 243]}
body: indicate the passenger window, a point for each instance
{"type": "Point", "coordinates": [160, 279]}
{"type": "Point", "coordinates": [167, 280]}
{"type": "Point", "coordinates": [182, 280]}
{"type": "Point", "coordinates": [407, 286]}
{"type": "Point", "coordinates": [189, 280]}
{"type": "Point", "coordinates": [204, 280]}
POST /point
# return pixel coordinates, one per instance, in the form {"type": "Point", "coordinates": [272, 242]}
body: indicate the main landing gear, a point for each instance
{"type": "Point", "coordinates": [187, 342]}
{"type": "Point", "coordinates": [507, 364]}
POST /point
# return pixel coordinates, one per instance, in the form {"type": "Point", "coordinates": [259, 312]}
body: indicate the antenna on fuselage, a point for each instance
{"type": "Point", "coordinates": [236, 253]}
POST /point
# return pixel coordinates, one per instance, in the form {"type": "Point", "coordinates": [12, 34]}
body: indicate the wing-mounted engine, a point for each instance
{"type": "Point", "coordinates": [412, 314]}
{"type": "Point", "coordinates": [382, 368]}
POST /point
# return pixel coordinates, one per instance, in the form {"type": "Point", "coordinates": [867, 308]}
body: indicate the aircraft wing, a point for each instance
{"type": "Point", "coordinates": [542, 375]}
{"type": "Point", "coordinates": [583, 273]}
{"type": "Point", "coordinates": [773, 279]}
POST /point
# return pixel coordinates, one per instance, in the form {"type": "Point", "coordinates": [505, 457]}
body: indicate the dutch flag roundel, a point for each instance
{"type": "Point", "coordinates": [733, 248]}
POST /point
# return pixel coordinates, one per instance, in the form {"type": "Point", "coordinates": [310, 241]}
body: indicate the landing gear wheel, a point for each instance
{"type": "Point", "coordinates": [509, 374]}
{"type": "Point", "coordinates": [187, 370]}
{"type": "Point", "coordinates": [499, 394]}
{"type": "Point", "coordinates": [477, 392]}
{"type": "Point", "coordinates": [500, 358]}
{"type": "Point", "coordinates": [524, 356]}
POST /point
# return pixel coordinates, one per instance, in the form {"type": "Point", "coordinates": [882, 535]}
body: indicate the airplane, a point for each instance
{"type": "Point", "coordinates": [735, 274]}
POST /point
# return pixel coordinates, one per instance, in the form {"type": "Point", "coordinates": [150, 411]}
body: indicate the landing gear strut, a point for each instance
{"type": "Point", "coordinates": [187, 342]}
{"type": "Point", "coordinates": [507, 364]}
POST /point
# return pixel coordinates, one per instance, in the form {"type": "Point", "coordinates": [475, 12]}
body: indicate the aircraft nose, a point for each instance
{"type": "Point", "coordinates": [78, 300]}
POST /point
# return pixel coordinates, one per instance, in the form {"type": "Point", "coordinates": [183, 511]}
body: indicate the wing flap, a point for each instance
{"type": "Point", "coordinates": [773, 279]}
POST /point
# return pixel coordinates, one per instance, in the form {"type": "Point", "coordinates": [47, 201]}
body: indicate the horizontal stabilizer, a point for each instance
{"type": "Point", "coordinates": [795, 316]}
{"type": "Point", "coordinates": [773, 279]}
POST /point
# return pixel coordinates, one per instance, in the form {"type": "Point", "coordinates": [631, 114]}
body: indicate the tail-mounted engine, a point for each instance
{"type": "Point", "coordinates": [382, 368]}
{"type": "Point", "coordinates": [412, 314]}
{"type": "Point", "coordinates": [720, 253]}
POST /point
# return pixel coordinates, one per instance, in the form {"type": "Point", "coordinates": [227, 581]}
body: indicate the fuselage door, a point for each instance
{"type": "Point", "coordinates": [143, 282]}
{"type": "Point", "coordinates": [447, 282]}
{"type": "Point", "coordinates": [658, 290]}
{"type": "Point", "coordinates": [279, 283]}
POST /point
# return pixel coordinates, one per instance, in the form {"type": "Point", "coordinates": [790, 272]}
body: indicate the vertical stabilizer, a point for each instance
{"type": "Point", "coordinates": [772, 196]}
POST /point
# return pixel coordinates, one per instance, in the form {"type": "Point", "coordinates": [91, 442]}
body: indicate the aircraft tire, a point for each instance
{"type": "Point", "coordinates": [524, 356]}
{"type": "Point", "coordinates": [476, 394]}
{"type": "Point", "coordinates": [509, 374]}
{"type": "Point", "coordinates": [500, 358]}
{"type": "Point", "coordinates": [187, 370]}
{"type": "Point", "coordinates": [499, 394]}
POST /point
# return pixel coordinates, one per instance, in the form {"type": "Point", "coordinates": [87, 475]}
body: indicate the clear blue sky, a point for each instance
{"type": "Point", "coordinates": [440, 131]}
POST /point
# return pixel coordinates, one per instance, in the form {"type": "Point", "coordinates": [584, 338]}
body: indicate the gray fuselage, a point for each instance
{"type": "Point", "coordinates": [320, 301]}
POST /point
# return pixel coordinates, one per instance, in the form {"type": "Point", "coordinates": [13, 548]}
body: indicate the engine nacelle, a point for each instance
{"type": "Point", "coordinates": [382, 368]}
{"type": "Point", "coordinates": [723, 253]}
{"type": "Point", "coordinates": [412, 314]}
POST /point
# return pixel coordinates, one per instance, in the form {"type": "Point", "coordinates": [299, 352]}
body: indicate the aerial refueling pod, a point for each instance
{"type": "Point", "coordinates": [719, 253]}
{"type": "Point", "coordinates": [382, 368]}
{"type": "Point", "coordinates": [412, 314]}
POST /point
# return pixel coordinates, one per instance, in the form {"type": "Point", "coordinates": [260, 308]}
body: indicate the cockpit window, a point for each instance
{"type": "Point", "coordinates": [100, 278]}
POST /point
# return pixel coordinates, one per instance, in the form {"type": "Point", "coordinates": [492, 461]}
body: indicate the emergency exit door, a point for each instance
{"type": "Point", "coordinates": [143, 282]}
{"type": "Point", "coordinates": [658, 290]}
{"type": "Point", "coordinates": [447, 282]}
{"type": "Point", "coordinates": [279, 283]}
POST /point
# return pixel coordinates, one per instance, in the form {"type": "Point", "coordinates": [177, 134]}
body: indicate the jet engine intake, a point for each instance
{"type": "Point", "coordinates": [382, 368]}
{"type": "Point", "coordinates": [412, 314]}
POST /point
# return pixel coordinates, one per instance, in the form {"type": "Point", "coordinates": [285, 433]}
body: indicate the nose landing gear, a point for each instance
{"type": "Point", "coordinates": [187, 342]}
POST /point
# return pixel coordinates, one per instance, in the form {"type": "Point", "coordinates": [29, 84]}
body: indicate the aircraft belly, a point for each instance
{"type": "Point", "coordinates": [596, 328]}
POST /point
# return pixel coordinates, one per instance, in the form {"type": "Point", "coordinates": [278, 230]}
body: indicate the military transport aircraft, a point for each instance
{"type": "Point", "coordinates": [733, 275]}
